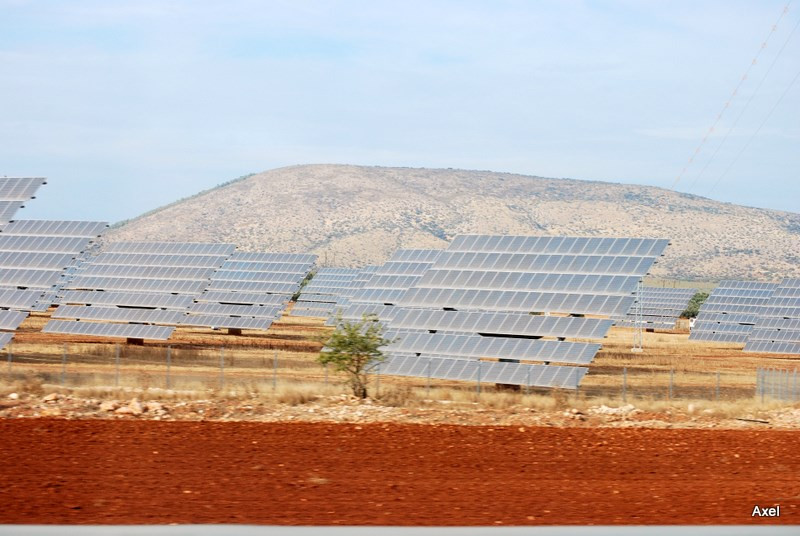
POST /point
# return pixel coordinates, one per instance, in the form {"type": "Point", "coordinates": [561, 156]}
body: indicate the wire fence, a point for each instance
{"type": "Point", "coordinates": [777, 384]}
{"type": "Point", "coordinates": [261, 370]}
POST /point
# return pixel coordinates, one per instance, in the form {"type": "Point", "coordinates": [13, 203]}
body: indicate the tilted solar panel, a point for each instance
{"type": "Point", "coordinates": [147, 272]}
{"type": "Point", "coordinates": [136, 285]}
{"type": "Point", "coordinates": [235, 310]}
{"type": "Point", "coordinates": [228, 322]}
{"type": "Point", "coordinates": [85, 229]}
{"type": "Point", "coordinates": [120, 314]}
{"type": "Point", "coordinates": [42, 244]}
{"type": "Point", "coordinates": [246, 298]}
{"type": "Point", "coordinates": [648, 247]}
{"type": "Point", "coordinates": [128, 299]}
{"type": "Point", "coordinates": [10, 320]}
{"type": "Point", "coordinates": [5, 338]}
{"type": "Point", "coordinates": [160, 260]}
{"type": "Point", "coordinates": [136, 331]}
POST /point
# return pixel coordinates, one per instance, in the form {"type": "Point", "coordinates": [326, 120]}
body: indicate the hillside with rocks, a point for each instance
{"type": "Point", "coordinates": [356, 215]}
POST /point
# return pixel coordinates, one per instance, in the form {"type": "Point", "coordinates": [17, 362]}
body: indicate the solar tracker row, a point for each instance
{"type": "Point", "coordinates": [5, 339]}
{"type": "Point", "coordinates": [148, 272]}
{"type": "Point", "coordinates": [120, 314]}
{"type": "Point", "coordinates": [492, 280]}
{"type": "Point", "coordinates": [10, 320]}
{"type": "Point", "coordinates": [255, 286]}
{"type": "Point", "coordinates": [33, 261]}
{"type": "Point", "coordinates": [218, 309]}
{"type": "Point", "coordinates": [19, 299]}
{"type": "Point", "coordinates": [227, 322]}
{"type": "Point", "coordinates": [778, 328]}
{"type": "Point", "coordinates": [245, 298]}
{"type": "Point", "coordinates": [498, 300]}
{"type": "Point", "coordinates": [490, 372]}
{"type": "Point", "coordinates": [84, 229]}
{"type": "Point", "coordinates": [275, 276]}
{"type": "Point", "coordinates": [42, 244]}
{"type": "Point", "coordinates": [416, 255]}
{"type": "Point", "coordinates": [731, 303]}
{"type": "Point", "coordinates": [476, 347]}
{"type": "Point", "coordinates": [28, 278]}
{"type": "Point", "coordinates": [647, 247]}
{"type": "Point", "coordinates": [500, 323]}
{"type": "Point", "coordinates": [136, 331]}
{"type": "Point", "coordinates": [563, 264]}
{"type": "Point", "coordinates": [20, 188]}
{"type": "Point", "coordinates": [131, 284]}
{"type": "Point", "coordinates": [127, 299]}
{"type": "Point", "coordinates": [160, 260]}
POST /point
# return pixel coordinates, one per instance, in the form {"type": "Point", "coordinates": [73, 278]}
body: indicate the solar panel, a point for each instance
{"type": "Point", "coordinates": [476, 347]}
{"type": "Point", "coordinates": [255, 286]}
{"type": "Point", "coordinates": [262, 277]}
{"type": "Point", "coordinates": [244, 271]}
{"type": "Point", "coordinates": [20, 188]}
{"type": "Point", "coordinates": [24, 277]}
{"type": "Point", "coordinates": [10, 320]}
{"type": "Point", "coordinates": [661, 307]}
{"type": "Point", "coordinates": [5, 338]}
{"type": "Point", "coordinates": [136, 285]}
{"type": "Point", "coordinates": [42, 244]}
{"type": "Point", "coordinates": [19, 299]}
{"type": "Point", "coordinates": [727, 305]}
{"type": "Point", "coordinates": [228, 322]}
{"type": "Point", "coordinates": [498, 300]}
{"type": "Point", "coordinates": [127, 299]}
{"type": "Point", "coordinates": [563, 264]}
{"type": "Point", "coordinates": [500, 323]}
{"type": "Point", "coordinates": [120, 314]}
{"type": "Point", "coordinates": [160, 260]}
{"type": "Point", "coordinates": [246, 298]}
{"type": "Point", "coordinates": [172, 248]}
{"type": "Point", "coordinates": [236, 310]}
{"type": "Point", "coordinates": [44, 261]}
{"type": "Point", "coordinates": [147, 272]}
{"type": "Point", "coordinates": [778, 328]}
{"type": "Point", "coordinates": [647, 247]}
{"type": "Point", "coordinates": [415, 255]}
{"type": "Point", "coordinates": [490, 372]}
{"type": "Point", "coordinates": [135, 331]}
{"type": "Point", "coordinates": [528, 281]}
{"type": "Point", "coordinates": [84, 229]}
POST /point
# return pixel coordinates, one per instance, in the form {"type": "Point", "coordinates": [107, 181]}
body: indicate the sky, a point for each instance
{"type": "Point", "coordinates": [126, 106]}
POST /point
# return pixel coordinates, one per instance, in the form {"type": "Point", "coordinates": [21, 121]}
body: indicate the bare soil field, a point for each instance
{"type": "Point", "coordinates": [139, 472]}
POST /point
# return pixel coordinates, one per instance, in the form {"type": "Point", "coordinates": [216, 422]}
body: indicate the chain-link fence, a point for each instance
{"type": "Point", "coordinates": [777, 384]}
{"type": "Point", "coordinates": [258, 370]}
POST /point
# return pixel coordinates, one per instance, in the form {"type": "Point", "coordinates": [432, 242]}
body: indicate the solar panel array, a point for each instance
{"type": "Point", "coordinates": [661, 307]}
{"type": "Point", "coordinates": [14, 192]}
{"type": "Point", "coordinates": [36, 257]}
{"type": "Point", "coordinates": [320, 296]}
{"type": "Point", "coordinates": [138, 290]}
{"type": "Point", "coordinates": [249, 290]}
{"type": "Point", "coordinates": [491, 297]}
{"type": "Point", "coordinates": [778, 328]}
{"type": "Point", "coordinates": [731, 311]}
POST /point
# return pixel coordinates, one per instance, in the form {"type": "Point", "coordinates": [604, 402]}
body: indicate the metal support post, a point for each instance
{"type": "Point", "coordinates": [169, 366]}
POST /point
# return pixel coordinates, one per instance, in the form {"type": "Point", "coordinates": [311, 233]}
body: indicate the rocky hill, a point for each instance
{"type": "Point", "coordinates": [354, 215]}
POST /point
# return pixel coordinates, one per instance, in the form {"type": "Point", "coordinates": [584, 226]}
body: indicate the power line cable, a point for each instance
{"type": "Point", "coordinates": [733, 95]}
{"type": "Point", "coordinates": [746, 145]}
{"type": "Point", "coordinates": [747, 104]}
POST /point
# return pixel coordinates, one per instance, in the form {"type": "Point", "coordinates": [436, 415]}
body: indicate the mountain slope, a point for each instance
{"type": "Point", "coordinates": [353, 215]}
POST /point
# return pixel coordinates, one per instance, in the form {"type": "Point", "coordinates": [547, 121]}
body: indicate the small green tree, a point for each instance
{"type": "Point", "coordinates": [354, 348]}
{"type": "Point", "coordinates": [694, 305]}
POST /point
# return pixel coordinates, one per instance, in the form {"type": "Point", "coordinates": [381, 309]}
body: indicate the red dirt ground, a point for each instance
{"type": "Point", "coordinates": [120, 472]}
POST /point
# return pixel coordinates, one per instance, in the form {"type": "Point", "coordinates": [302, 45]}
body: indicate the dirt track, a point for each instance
{"type": "Point", "coordinates": [59, 471]}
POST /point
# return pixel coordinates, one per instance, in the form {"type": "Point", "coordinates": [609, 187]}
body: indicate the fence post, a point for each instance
{"type": "Point", "coordinates": [428, 382]}
{"type": "Point", "coordinates": [716, 395]}
{"type": "Point", "coordinates": [625, 384]}
{"type": "Point", "coordinates": [478, 385]}
{"type": "Point", "coordinates": [671, 379]}
{"type": "Point", "coordinates": [169, 365]}
{"type": "Point", "coordinates": [528, 381]}
{"type": "Point", "coordinates": [116, 367]}
{"type": "Point", "coordinates": [63, 364]}
{"type": "Point", "coordinates": [222, 368]}
{"type": "Point", "coordinates": [326, 374]}
{"type": "Point", "coordinates": [275, 372]}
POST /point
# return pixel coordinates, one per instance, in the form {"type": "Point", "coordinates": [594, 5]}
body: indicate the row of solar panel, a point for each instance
{"type": "Point", "coordinates": [644, 247]}
{"type": "Point", "coordinates": [476, 347]}
{"type": "Point", "coordinates": [490, 372]}
{"type": "Point", "coordinates": [492, 280]}
{"type": "Point", "coordinates": [522, 262]}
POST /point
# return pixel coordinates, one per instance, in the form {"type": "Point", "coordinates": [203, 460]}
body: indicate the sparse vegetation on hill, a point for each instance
{"type": "Point", "coordinates": [356, 215]}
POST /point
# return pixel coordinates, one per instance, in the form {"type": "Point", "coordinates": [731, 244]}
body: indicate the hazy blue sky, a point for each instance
{"type": "Point", "coordinates": [125, 106]}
